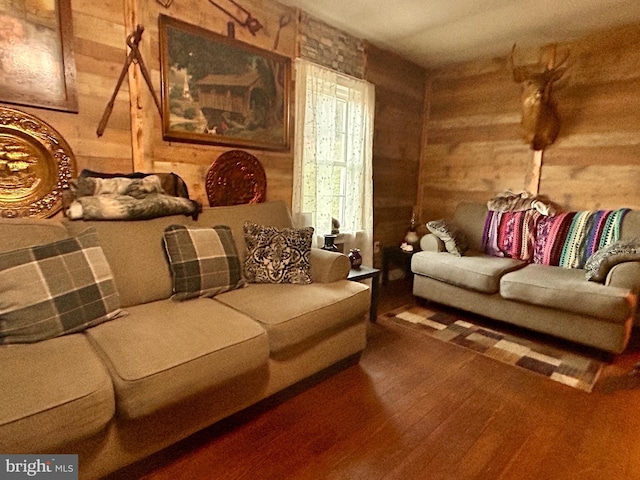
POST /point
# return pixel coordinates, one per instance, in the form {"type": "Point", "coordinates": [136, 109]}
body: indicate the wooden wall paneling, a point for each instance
{"type": "Point", "coordinates": [400, 89]}
{"type": "Point", "coordinates": [99, 53]}
{"type": "Point", "coordinates": [192, 161]}
{"type": "Point", "coordinates": [472, 147]}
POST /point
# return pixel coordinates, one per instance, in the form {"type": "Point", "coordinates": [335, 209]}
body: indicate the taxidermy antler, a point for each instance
{"type": "Point", "coordinates": [540, 119]}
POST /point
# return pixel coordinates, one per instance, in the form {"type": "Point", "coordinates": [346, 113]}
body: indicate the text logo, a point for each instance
{"type": "Point", "coordinates": [50, 467]}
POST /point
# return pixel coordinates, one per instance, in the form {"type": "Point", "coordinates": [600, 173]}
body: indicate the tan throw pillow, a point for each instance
{"type": "Point", "coordinates": [454, 240]}
{"type": "Point", "coordinates": [277, 255]}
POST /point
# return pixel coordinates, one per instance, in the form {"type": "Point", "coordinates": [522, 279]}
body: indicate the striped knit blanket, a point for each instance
{"type": "Point", "coordinates": [569, 239]}
{"type": "Point", "coordinates": [510, 234]}
{"type": "Point", "coordinates": [566, 240]}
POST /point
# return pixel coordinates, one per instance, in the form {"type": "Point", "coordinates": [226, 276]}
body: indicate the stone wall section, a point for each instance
{"type": "Point", "coordinates": [327, 46]}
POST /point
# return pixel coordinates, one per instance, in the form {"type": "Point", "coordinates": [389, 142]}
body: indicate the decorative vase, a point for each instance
{"type": "Point", "coordinates": [411, 237]}
{"type": "Point", "coordinates": [329, 243]}
{"type": "Point", "coordinates": [355, 258]}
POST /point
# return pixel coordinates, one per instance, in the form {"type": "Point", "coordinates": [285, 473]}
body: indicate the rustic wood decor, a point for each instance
{"type": "Point", "coordinates": [36, 165]}
{"type": "Point", "coordinates": [235, 178]}
{"type": "Point", "coordinates": [133, 39]}
{"type": "Point", "coordinates": [250, 22]}
{"type": "Point", "coordinates": [37, 64]}
{"type": "Point", "coordinates": [220, 91]}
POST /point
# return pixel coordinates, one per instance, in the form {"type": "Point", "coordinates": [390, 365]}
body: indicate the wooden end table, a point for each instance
{"type": "Point", "coordinates": [398, 257]}
{"type": "Point", "coordinates": [363, 273]}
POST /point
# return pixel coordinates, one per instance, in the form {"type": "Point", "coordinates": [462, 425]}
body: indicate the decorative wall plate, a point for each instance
{"type": "Point", "coordinates": [36, 165]}
{"type": "Point", "coordinates": [236, 177]}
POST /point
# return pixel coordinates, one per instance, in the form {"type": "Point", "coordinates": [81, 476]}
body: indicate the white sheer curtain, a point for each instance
{"type": "Point", "coordinates": [333, 175]}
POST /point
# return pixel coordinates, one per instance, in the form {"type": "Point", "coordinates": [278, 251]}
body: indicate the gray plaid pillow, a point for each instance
{"type": "Point", "coordinates": [204, 261]}
{"type": "Point", "coordinates": [54, 289]}
{"type": "Point", "coordinates": [277, 255]}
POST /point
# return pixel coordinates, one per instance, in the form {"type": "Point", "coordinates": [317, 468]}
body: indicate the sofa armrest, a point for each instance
{"type": "Point", "coordinates": [625, 275]}
{"type": "Point", "coordinates": [431, 243]}
{"type": "Point", "coordinates": [327, 267]}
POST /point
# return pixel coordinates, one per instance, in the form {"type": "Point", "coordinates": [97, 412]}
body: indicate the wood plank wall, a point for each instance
{"type": "Point", "coordinates": [472, 147]}
{"type": "Point", "coordinates": [133, 141]}
{"type": "Point", "coordinates": [400, 89]}
{"type": "Point", "coordinates": [133, 137]}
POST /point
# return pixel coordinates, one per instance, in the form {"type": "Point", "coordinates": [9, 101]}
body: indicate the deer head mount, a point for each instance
{"type": "Point", "coordinates": [540, 120]}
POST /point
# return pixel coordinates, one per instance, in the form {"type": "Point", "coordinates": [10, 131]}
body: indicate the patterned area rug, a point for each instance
{"type": "Point", "coordinates": [571, 369]}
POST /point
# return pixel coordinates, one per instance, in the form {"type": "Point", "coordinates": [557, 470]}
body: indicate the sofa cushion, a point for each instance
{"type": "Point", "coordinates": [136, 254]}
{"type": "Point", "coordinates": [275, 213]}
{"type": "Point", "coordinates": [294, 315]}
{"type": "Point", "coordinates": [164, 352]}
{"type": "Point", "coordinates": [53, 289]}
{"type": "Point", "coordinates": [26, 232]}
{"type": "Point", "coordinates": [277, 255]}
{"type": "Point", "coordinates": [204, 261]}
{"type": "Point", "coordinates": [53, 393]}
{"type": "Point", "coordinates": [567, 289]}
{"type": "Point", "coordinates": [475, 271]}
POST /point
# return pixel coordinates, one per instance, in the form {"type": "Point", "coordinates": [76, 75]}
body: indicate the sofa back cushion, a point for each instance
{"type": "Point", "coordinates": [275, 214]}
{"type": "Point", "coordinates": [135, 251]}
{"type": "Point", "coordinates": [26, 232]}
{"type": "Point", "coordinates": [470, 218]}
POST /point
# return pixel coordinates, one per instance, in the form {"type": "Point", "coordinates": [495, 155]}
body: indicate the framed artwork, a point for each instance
{"type": "Point", "coordinates": [37, 65]}
{"type": "Point", "coordinates": [220, 91]}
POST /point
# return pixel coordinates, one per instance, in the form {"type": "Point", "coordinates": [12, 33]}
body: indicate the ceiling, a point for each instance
{"type": "Point", "coordinates": [433, 33]}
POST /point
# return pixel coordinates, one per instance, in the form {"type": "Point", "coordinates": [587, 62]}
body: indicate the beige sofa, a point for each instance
{"type": "Point", "coordinates": [126, 388]}
{"type": "Point", "coordinates": [553, 300]}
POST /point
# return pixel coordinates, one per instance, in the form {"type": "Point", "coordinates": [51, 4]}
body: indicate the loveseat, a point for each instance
{"type": "Point", "coordinates": [160, 369]}
{"type": "Point", "coordinates": [529, 291]}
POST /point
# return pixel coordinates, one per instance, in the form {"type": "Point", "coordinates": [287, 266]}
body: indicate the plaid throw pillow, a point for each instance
{"type": "Point", "coordinates": [203, 261]}
{"type": "Point", "coordinates": [277, 255]}
{"type": "Point", "coordinates": [54, 289]}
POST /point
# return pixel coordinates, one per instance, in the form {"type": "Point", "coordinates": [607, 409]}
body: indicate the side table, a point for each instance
{"type": "Point", "coordinates": [362, 273]}
{"type": "Point", "coordinates": [395, 256]}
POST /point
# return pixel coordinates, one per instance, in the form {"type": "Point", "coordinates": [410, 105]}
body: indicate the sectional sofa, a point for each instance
{"type": "Point", "coordinates": [515, 283]}
{"type": "Point", "coordinates": [159, 369]}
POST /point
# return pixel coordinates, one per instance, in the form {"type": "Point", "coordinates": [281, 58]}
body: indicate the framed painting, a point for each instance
{"type": "Point", "coordinates": [220, 91]}
{"type": "Point", "coordinates": [37, 65]}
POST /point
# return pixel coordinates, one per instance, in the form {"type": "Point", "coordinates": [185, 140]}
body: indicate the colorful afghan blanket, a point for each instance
{"type": "Point", "coordinates": [569, 239]}
{"type": "Point", "coordinates": [511, 234]}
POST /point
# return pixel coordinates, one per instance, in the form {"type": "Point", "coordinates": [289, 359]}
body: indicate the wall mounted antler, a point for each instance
{"type": "Point", "coordinates": [540, 119]}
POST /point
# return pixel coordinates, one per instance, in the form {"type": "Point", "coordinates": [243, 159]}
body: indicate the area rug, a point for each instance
{"type": "Point", "coordinates": [562, 366]}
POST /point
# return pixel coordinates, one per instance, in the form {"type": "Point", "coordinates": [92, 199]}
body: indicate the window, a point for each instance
{"type": "Point", "coordinates": [333, 157]}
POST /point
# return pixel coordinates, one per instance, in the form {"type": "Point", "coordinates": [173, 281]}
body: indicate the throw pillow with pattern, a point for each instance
{"type": "Point", "coordinates": [277, 255]}
{"type": "Point", "coordinates": [598, 265]}
{"type": "Point", "coordinates": [454, 241]}
{"type": "Point", "coordinates": [54, 289]}
{"type": "Point", "coordinates": [204, 261]}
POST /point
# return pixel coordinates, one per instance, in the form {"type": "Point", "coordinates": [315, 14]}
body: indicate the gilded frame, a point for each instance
{"type": "Point", "coordinates": [218, 90]}
{"type": "Point", "coordinates": [37, 62]}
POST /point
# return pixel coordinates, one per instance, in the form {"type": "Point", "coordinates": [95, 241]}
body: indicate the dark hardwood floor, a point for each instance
{"type": "Point", "coordinates": [417, 408]}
